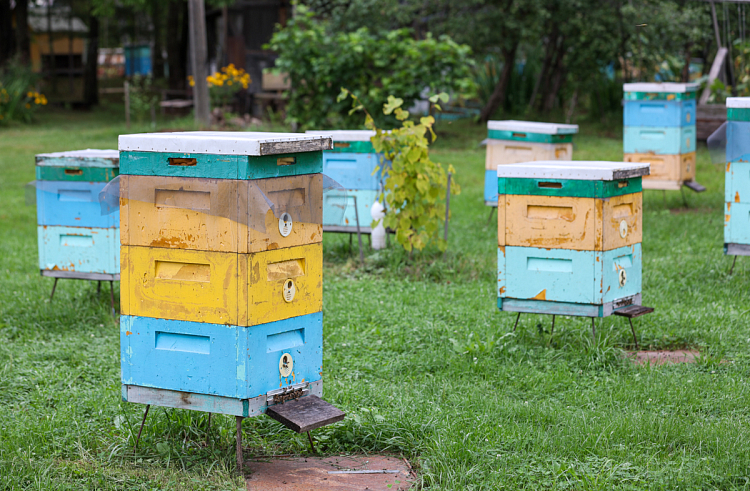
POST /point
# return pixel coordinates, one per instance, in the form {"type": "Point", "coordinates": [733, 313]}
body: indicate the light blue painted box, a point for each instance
{"type": "Point", "coordinates": [737, 182]}
{"type": "Point", "coordinates": [659, 113]}
{"type": "Point", "coordinates": [339, 210]}
{"type": "Point", "coordinates": [79, 249]}
{"type": "Point", "coordinates": [738, 141]}
{"type": "Point", "coordinates": [353, 170]}
{"type": "Point", "coordinates": [591, 281]}
{"type": "Point", "coordinates": [736, 223]}
{"type": "Point", "coordinates": [225, 361]}
{"type": "Point", "coordinates": [72, 204]}
{"type": "Point", "coordinates": [490, 188]}
{"type": "Point", "coordinates": [663, 140]}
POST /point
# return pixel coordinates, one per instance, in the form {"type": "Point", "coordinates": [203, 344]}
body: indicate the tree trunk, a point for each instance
{"type": "Point", "coordinates": [557, 79]}
{"type": "Point", "coordinates": [686, 68]}
{"type": "Point", "coordinates": [7, 48]}
{"type": "Point", "coordinates": [157, 62]}
{"type": "Point", "coordinates": [498, 96]}
{"type": "Point", "coordinates": [549, 50]}
{"type": "Point", "coordinates": [177, 44]}
{"type": "Point", "coordinates": [90, 82]}
{"type": "Point", "coordinates": [22, 31]}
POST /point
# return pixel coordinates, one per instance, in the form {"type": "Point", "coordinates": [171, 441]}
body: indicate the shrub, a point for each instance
{"type": "Point", "coordinates": [371, 65]}
{"type": "Point", "coordinates": [18, 98]}
{"type": "Point", "coordinates": [415, 188]}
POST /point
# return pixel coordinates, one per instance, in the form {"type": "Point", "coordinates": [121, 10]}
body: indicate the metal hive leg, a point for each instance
{"type": "Point", "coordinates": [143, 422]}
{"type": "Point", "coordinates": [516, 324]}
{"type": "Point", "coordinates": [730, 269]}
{"type": "Point", "coordinates": [593, 329]}
{"type": "Point", "coordinates": [55, 286]}
{"type": "Point", "coordinates": [239, 443]}
{"type": "Point", "coordinates": [632, 329]}
{"type": "Point", "coordinates": [309, 436]}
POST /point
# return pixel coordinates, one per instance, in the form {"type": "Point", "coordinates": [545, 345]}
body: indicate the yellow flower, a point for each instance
{"type": "Point", "coordinates": [28, 106]}
{"type": "Point", "coordinates": [29, 94]}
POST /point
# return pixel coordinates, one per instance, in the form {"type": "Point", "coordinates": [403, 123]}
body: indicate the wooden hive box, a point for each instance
{"type": "Point", "coordinates": [511, 142]}
{"type": "Point", "coordinates": [737, 178]}
{"type": "Point", "coordinates": [75, 238]}
{"type": "Point", "coordinates": [569, 237]}
{"type": "Point", "coordinates": [659, 129]}
{"type": "Point", "coordinates": [222, 268]}
{"type": "Point", "coordinates": [352, 163]}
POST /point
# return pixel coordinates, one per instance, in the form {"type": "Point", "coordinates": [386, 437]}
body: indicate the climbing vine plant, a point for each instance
{"type": "Point", "coordinates": [415, 186]}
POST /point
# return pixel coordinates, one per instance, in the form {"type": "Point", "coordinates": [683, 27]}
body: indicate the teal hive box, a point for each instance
{"type": "Point", "coordinates": [737, 178]}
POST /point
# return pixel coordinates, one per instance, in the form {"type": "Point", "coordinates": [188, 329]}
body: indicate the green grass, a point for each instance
{"type": "Point", "coordinates": [415, 353]}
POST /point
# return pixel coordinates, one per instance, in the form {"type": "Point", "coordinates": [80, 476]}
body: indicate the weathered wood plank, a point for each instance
{"type": "Point", "coordinates": [737, 249]}
{"type": "Point", "coordinates": [278, 147]}
{"type": "Point", "coordinates": [75, 275]}
{"type": "Point", "coordinates": [306, 414]}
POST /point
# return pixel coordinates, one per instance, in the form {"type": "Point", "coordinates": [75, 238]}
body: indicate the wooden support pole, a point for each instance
{"type": "Point", "coordinates": [198, 58]}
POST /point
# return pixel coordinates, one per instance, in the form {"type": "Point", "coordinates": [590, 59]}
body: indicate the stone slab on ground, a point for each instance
{"type": "Point", "coordinates": [663, 357]}
{"type": "Point", "coordinates": [342, 473]}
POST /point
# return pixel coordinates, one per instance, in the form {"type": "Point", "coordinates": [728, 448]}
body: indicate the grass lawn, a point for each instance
{"type": "Point", "coordinates": [416, 353]}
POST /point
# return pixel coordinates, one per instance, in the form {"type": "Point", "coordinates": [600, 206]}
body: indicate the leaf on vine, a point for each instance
{"type": "Point", "coordinates": [342, 95]}
{"type": "Point", "coordinates": [427, 121]}
{"type": "Point", "coordinates": [392, 104]}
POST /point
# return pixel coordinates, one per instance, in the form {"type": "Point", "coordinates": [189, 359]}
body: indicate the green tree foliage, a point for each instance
{"type": "Point", "coordinates": [416, 187]}
{"type": "Point", "coordinates": [371, 65]}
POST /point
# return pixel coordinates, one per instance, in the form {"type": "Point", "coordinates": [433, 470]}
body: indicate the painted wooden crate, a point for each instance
{"type": "Point", "coordinates": [222, 360]}
{"type": "Point", "coordinates": [667, 171]}
{"type": "Point", "coordinates": [72, 204]}
{"type": "Point", "coordinates": [221, 287]}
{"type": "Point", "coordinates": [222, 155]}
{"type": "Point", "coordinates": [659, 113]}
{"type": "Point", "coordinates": [655, 91]}
{"type": "Point", "coordinates": [663, 140]}
{"type": "Point", "coordinates": [737, 178]}
{"type": "Point", "coordinates": [78, 165]}
{"type": "Point", "coordinates": [512, 142]}
{"type": "Point", "coordinates": [352, 160]}
{"type": "Point", "coordinates": [569, 237]}
{"type": "Point", "coordinates": [339, 209]}
{"type": "Point", "coordinates": [223, 215]}
{"type": "Point", "coordinates": [79, 249]}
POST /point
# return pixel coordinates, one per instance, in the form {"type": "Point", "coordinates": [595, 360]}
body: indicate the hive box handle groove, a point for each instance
{"type": "Point", "coordinates": [286, 160]}
{"type": "Point", "coordinates": [73, 172]}
{"type": "Point", "coordinates": [285, 340]}
{"type": "Point", "coordinates": [283, 270]}
{"type": "Point", "coordinates": [549, 264]}
{"type": "Point", "coordinates": [167, 270]}
{"type": "Point", "coordinates": [189, 343]}
{"type": "Point", "coordinates": [183, 162]}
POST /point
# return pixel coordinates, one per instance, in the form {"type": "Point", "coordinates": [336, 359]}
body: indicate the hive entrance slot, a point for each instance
{"type": "Point", "coordinates": [342, 145]}
{"type": "Point", "coordinates": [519, 135]}
{"type": "Point", "coordinates": [73, 172]}
{"type": "Point", "coordinates": [183, 162]}
{"type": "Point", "coordinates": [286, 160]}
{"type": "Point", "coordinates": [550, 185]}
{"type": "Point", "coordinates": [622, 184]}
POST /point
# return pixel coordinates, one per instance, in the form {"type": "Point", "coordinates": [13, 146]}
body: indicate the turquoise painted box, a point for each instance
{"type": "Point", "coordinates": [736, 223]}
{"type": "Point", "coordinates": [531, 131]}
{"type": "Point", "coordinates": [222, 155]}
{"type": "Point", "coordinates": [664, 140]}
{"type": "Point", "coordinates": [220, 360]}
{"type": "Point", "coordinates": [339, 209]}
{"type": "Point", "coordinates": [352, 162]}
{"type": "Point", "coordinates": [72, 204]}
{"type": "Point", "coordinates": [490, 187]}
{"type": "Point", "coordinates": [659, 113]}
{"type": "Point", "coordinates": [737, 182]}
{"type": "Point", "coordinates": [79, 249]}
{"type": "Point", "coordinates": [737, 177]}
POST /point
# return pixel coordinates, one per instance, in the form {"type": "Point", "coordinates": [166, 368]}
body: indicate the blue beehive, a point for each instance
{"type": "Point", "coordinates": [659, 120]}
{"type": "Point", "coordinates": [737, 181]}
{"type": "Point", "coordinates": [75, 239]}
{"type": "Point", "coordinates": [351, 163]}
{"type": "Point", "coordinates": [221, 287]}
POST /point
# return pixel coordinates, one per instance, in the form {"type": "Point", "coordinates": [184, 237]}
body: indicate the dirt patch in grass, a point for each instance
{"type": "Point", "coordinates": [663, 357]}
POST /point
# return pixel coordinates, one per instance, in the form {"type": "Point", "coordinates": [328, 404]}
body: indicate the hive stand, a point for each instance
{"type": "Point", "coordinates": [221, 289]}
{"type": "Point", "coordinates": [569, 239]}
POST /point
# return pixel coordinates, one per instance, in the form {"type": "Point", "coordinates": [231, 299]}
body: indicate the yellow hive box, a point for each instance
{"type": "Point", "coordinates": [501, 152]}
{"type": "Point", "coordinates": [221, 215]}
{"type": "Point", "coordinates": [667, 171]}
{"type": "Point", "coordinates": [221, 287]}
{"type": "Point", "coordinates": [583, 224]}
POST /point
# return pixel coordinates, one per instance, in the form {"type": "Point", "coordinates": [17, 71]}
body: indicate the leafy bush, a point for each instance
{"type": "Point", "coordinates": [143, 96]}
{"type": "Point", "coordinates": [18, 98]}
{"type": "Point", "coordinates": [370, 65]}
{"type": "Point", "coordinates": [415, 188]}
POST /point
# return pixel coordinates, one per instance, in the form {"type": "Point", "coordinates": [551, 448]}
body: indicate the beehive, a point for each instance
{"type": "Point", "coordinates": [351, 163]}
{"type": "Point", "coordinates": [659, 121]}
{"type": "Point", "coordinates": [512, 142]}
{"type": "Point", "coordinates": [76, 240]}
{"type": "Point", "coordinates": [737, 180]}
{"type": "Point", "coordinates": [569, 237]}
{"type": "Point", "coordinates": [221, 289]}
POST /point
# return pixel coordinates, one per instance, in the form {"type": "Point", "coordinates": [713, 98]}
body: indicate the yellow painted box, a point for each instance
{"type": "Point", "coordinates": [501, 152]}
{"type": "Point", "coordinates": [221, 215]}
{"type": "Point", "coordinates": [221, 287]}
{"type": "Point", "coordinates": [576, 223]}
{"type": "Point", "coordinates": [668, 172]}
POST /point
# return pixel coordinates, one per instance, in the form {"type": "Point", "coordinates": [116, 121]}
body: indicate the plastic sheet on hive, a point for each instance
{"type": "Point", "coordinates": [731, 142]}
{"type": "Point", "coordinates": [219, 214]}
{"type": "Point", "coordinates": [79, 191]}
